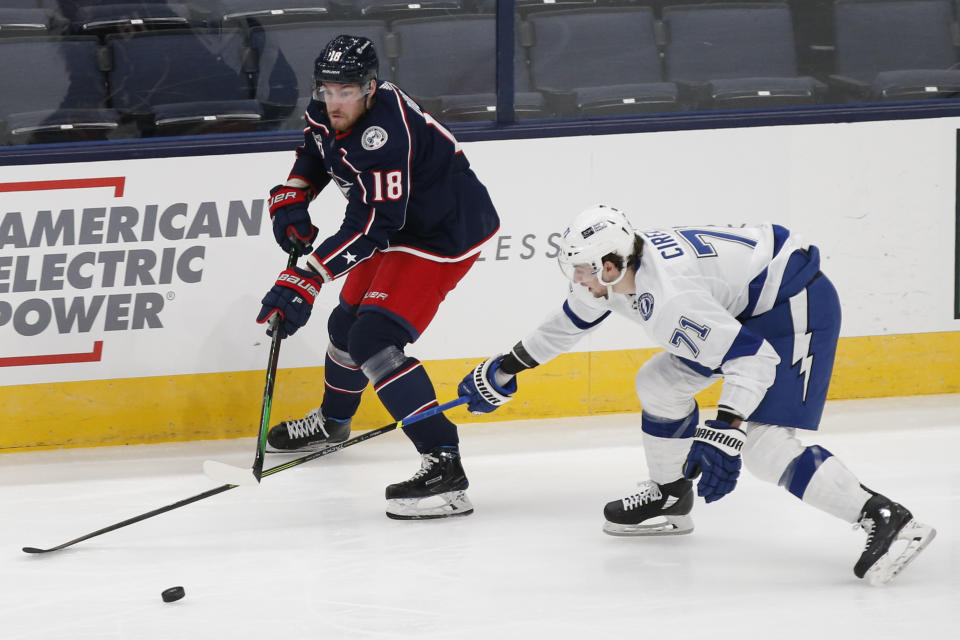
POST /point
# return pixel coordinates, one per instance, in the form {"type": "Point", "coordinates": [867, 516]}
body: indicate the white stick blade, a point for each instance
{"type": "Point", "coordinates": [228, 474]}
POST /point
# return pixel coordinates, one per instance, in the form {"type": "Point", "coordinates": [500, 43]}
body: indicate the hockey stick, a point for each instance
{"type": "Point", "coordinates": [236, 475]}
{"type": "Point", "coordinates": [269, 472]}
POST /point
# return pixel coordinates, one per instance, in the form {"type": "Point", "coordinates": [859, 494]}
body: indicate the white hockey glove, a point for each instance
{"type": "Point", "coordinates": [481, 388]}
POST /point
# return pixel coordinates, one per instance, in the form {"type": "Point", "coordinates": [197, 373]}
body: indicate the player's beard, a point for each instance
{"type": "Point", "coordinates": [339, 121]}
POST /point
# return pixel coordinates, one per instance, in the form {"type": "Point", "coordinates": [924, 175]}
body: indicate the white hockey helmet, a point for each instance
{"type": "Point", "coordinates": [593, 234]}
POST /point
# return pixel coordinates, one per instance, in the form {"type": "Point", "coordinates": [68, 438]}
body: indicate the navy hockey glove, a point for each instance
{"type": "Point", "coordinates": [715, 453]}
{"type": "Point", "coordinates": [292, 297]}
{"type": "Point", "coordinates": [481, 388]}
{"type": "Point", "coordinates": [291, 220]}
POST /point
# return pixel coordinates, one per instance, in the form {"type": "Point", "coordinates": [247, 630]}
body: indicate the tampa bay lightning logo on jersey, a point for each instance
{"type": "Point", "coordinates": [373, 138]}
{"type": "Point", "coordinates": [643, 304]}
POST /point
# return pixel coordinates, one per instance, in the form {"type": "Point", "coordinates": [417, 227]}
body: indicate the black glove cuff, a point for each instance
{"type": "Point", "coordinates": [517, 360]}
{"type": "Point", "coordinates": [724, 415]}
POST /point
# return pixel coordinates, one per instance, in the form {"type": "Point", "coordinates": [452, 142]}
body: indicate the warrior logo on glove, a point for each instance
{"type": "Point", "coordinates": [481, 388]}
{"type": "Point", "coordinates": [715, 453]}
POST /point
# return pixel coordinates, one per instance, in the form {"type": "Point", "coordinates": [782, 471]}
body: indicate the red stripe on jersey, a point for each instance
{"type": "Point", "coordinates": [373, 215]}
{"type": "Point", "coordinates": [319, 125]}
{"type": "Point", "coordinates": [406, 125]}
{"type": "Point", "coordinates": [446, 134]}
{"type": "Point", "coordinates": [333, 254]}
{"type": "Point", "coordinates": [436, 257]}
{"type": "Point", "coordinates": [315, 264]}
{"type": "Point", "coordinates": [354, 169]}
{"type": "Point", "coordinates": [347, 162]}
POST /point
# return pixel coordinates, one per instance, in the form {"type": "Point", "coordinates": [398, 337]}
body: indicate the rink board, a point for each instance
{"type": "Point", "coordinates": [213, 406]}
{"type": "Point", "coordinates": [128, 289]}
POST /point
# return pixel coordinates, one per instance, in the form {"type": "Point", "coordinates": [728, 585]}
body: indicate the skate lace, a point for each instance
{"type": "Point", "coordinates": [426, 466]}
{"type": "Point", "coordinates": [649, 492]}
{"type": "Point", "coordinates": [868, 525]}
{"type": "Point", "coordinates": [305, 426]}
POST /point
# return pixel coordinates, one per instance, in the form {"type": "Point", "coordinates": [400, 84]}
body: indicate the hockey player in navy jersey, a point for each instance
{"type": "Point", "coordinates": [415, 220]}
{"type": "Point", "coordinates": [748, 305]}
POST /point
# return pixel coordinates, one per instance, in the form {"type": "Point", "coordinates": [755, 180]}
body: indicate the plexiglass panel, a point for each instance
{"type": "Point", "coordinates": [76, 70]}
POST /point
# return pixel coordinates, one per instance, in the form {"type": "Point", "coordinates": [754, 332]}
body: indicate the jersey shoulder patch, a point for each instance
{"type": "Point", "coordinates": [643, 304]}
{"type": "Point", "coordinates": [373, 138]}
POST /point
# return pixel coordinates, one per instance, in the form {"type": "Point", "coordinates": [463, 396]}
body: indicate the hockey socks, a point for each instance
{"type": "Point", "coordinates": [407, 390]}
{"type": "Point", "coordinates": [344, 383]}
{"type": "Point", "coordinates": [666, 443]}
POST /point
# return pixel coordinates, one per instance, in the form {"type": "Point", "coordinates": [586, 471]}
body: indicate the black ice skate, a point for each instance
{"type": "Point", "coordinates": [886, 524]}
{"type": "Point", "coordinates": [669, 505]}
{"type": "Point", "coordinates": [313, 432]}
{"type": "Point", "coordinates": [437, 490]}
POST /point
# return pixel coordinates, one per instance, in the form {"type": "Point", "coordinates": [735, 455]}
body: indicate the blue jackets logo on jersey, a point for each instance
{"type": "Point", "coordinates": [373, 138]}
{"type": "Point", "coordinates": [643, 304]}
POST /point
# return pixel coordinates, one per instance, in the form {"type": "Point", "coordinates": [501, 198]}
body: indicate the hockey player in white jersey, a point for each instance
{"type": "Point", "coordinates": [748, 305]}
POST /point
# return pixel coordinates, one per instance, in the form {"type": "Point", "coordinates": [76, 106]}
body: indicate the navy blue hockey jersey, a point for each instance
{"type": "Point", "coordinates": [407, 183]}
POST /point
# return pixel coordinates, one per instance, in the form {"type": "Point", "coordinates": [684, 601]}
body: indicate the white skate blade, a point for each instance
{"type": "Point", "coordinates": [443, 505]}
{"type": "Point", "coordinates": [917, 536]}
{"type": "Point", "coordinates": [671, 526]}
{"type": "Point", "coordinates": [228, 474]}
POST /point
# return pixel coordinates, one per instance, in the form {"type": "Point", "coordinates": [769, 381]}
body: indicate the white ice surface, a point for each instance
{"type": "Point", "coordinates": [310, 554]}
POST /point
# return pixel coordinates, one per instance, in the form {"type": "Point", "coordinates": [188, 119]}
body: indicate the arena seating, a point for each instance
{"type": "Point", "coordinates": [174, 80]}
{"type": "Point", "coordinates": [234, 12]}
{"type": "Point", "coordinates": [286, 55]}
{"type": "Point", "coordinates": [26, 21]}
{"type": "Point", "coordinates": [398, 9]}
{"type": "Point", "coordinates": [99, 17]}
{"type": "Point", "coordinates": [736, 55]}
{"type": "Point", "coordinates": [450, 64]}
{"type": "Point", "coordinates": [154, 67]}
{"type": "Point", "coordinates": [66, 101]}
{"type": "Point", "coordinates": [599, 61]}
{"type": "Point", "coordinates": [896, 49]}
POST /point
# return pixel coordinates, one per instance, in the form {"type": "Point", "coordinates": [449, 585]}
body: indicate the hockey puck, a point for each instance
{"type": "Point", "coordinates": [173, 594]}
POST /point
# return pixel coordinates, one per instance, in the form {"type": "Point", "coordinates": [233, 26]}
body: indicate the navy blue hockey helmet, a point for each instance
{"type": "Point", "coordinates": [346, 60]}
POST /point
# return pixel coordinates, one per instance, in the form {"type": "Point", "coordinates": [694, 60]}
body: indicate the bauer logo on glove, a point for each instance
{"type": "Point", "coordinates": [291, 219]}
{"type": "Point", "coordinates": [299, 283]}
{"type": "Point", "coordinates": [292, 298]}
{"type": "Point", "coordinates": [295, 195]}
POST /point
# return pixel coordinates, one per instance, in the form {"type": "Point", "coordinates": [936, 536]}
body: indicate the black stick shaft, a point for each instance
{"type": "Point", "coordinates": [143, 516]}
{"type": "Point", "coordinates": [269, 472]}
{"type": "Point", "coordinates": [267, 404]}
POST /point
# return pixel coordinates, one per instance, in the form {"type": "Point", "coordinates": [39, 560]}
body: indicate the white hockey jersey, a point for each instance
{"type": "Point", "coordinates": [693, 288]}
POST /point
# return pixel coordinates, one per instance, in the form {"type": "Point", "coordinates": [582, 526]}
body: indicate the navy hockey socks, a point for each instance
{"type": "Point", "coordinates": [344, 383]}
{"type": "Point", "coordinates": [408, 390]}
